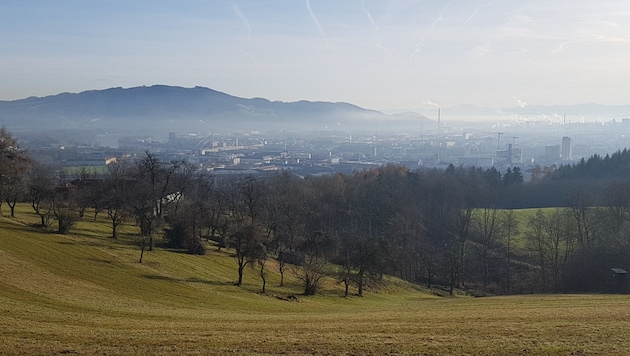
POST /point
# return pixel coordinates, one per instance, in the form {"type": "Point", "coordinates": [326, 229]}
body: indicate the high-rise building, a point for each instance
{"type": "Point", "coordinates": [567, 148]}
{"type": "Point", "coordinates": [552, 153]}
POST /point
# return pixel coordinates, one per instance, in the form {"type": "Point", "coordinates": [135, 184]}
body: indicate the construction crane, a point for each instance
{"type": "Point", "coordinates": [498, 137]}
{"type": "Point", "coordinates": [499, 140]}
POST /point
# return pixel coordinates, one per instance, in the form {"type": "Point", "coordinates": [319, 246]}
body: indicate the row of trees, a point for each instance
{"type": "Point", "coordinates": [437, 227]}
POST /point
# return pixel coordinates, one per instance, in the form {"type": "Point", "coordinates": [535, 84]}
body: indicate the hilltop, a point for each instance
{"type": "Point", "coordinates": [166, 108]}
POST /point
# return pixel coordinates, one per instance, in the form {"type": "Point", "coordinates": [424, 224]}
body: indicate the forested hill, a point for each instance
{"type": "Point", "coordinates": [200, 109]}
{"type": "Point", "coordinates": [613, 167]}
{"type": "Point", "coordinates": [599, 180]}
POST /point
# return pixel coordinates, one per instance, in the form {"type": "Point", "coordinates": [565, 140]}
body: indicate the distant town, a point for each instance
{"type": "Point", "coordinates": [537, 147]}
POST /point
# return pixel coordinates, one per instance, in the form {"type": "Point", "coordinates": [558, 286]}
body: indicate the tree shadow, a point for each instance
{"type": "Point", "coordinates": [208, 282]}
{"type": "Point", "coordinates": [101, 260]}
{"type": "Point", "coordinates": [161, 278]}
{"type": "Point", "coordinates": [187, 280]}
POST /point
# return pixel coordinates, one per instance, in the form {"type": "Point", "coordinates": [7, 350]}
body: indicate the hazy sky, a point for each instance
{"type": "Point", "coordinates": [379, 54]}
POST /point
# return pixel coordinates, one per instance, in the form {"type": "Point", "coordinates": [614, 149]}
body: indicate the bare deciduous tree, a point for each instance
{"type": "Point", "coordinates": [510, 229]}
{"type": "Point", "coordinates": [246, 241]}
{"type": "Point", "coordinates": [14, 165]}
{"type": "Point", "coordinates": [41, 186]}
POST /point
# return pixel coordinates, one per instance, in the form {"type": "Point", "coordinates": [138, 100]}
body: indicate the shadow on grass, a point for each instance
{"type": "Point", "coordinates": [208, 282]}
{"type": "Point", "coordinates": [174, 250]}
{"type": "Point", "coordinates": [101, 260]}
{"type": "Point", "coordinates": [20, 227]}
{"type": "Point", "coordinates": [161, 278]}
{"type": "Point", "coordinates": [186, 280]}
{"type": "Point", "coordinates": [120, 243]}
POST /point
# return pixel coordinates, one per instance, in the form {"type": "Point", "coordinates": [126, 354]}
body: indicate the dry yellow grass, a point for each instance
{"type": "Point", "coordinates": [86, 294]}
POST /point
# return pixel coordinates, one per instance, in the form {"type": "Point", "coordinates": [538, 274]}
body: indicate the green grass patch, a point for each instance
{"type": "Point", "coordinates": [523, 216]}
{"type": "Point", "coordinates": [77, 170]}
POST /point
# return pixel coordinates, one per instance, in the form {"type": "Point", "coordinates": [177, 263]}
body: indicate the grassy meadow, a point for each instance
{"type": "Point", "coordinates": [86, 294]}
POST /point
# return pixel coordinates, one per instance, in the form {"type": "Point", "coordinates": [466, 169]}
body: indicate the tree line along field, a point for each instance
{"type": "Point", "coordinates": [156, 257]}
{"type": "Point", "coordinates": [453, 227]}
{"type": "Point", "coordinates": [435, 227]}
{"type": "Point", "coordinates": [84, 293]}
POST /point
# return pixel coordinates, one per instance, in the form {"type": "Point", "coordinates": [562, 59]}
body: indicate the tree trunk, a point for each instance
{"type": "Point", "coordinates": [508, 265]}
{"type": "Point", "coordinates": [262, 276]}
{"type": "Point", "coordinates": [142, 249]}
{"type": "Point", "coordinates": [281, 269]}
{"type": "Point", "coordinates": [309, 287]}
{"type": "Point", "coordinates": [452, 281]}
{"type": "Point", "coordinates": [221, 242]}
{"type": "Point", "coordinates": [486, 270]}
{"type": "Point", "coordinates": [12, 206]}
{"type": "Point", "coordinates": [114, 230]}
{"type": "Point", "coordinates": [241, 267]}
{"type": "Point", "coordinates": [63, 227]}
{"type": "Point", "coordinates": [360, 275]}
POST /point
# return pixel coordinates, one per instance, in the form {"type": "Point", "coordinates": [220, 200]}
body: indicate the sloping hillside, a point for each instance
{"type": "Point", "coordinates": [87, 294]}
{"type": "Point", "coordinates": [89, 270]}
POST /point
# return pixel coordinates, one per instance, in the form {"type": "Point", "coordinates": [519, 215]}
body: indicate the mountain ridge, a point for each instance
{"type": "Point", "coordinates": [147, 109]}
{"type": "Point", "coordinates": [172, 107]}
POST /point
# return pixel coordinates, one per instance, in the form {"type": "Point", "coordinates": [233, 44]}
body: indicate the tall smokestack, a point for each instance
{"type": "Point", "coordinates": [438, 118]}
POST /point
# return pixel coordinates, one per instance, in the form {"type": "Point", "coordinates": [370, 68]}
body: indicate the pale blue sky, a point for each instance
{"type": "Point", "coordinates": [379, 54]}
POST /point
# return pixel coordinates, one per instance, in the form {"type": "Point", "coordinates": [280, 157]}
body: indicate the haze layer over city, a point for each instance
{"type": "Point", "coordinates": [389, 56]}
{"type": "Point", "coordinates": [478, 83]}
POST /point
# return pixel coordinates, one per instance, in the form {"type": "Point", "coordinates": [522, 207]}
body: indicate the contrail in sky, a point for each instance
{"type": "Point", "coordinates": [440, 16]}
{"type": "Point", "coordinates": [248, 55]}
{"type": "Point", "coordinates": [473, 14]}
{"type": "Point", "coordinates": [438, 19]}
{"type": "Point", "coordinates": [319, 26]}
{"type": "Point", "coordinates": [367, 13]}
{"type": "Point", "coordinates": [379, 38]}
{"type": "Point", "coordinates": [243, 18]}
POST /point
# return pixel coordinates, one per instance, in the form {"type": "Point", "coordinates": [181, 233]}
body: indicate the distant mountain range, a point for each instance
{"type": "Point", "coordinates": [199, 109]}
{"type": "Point", "coordinates": [161, 108]}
